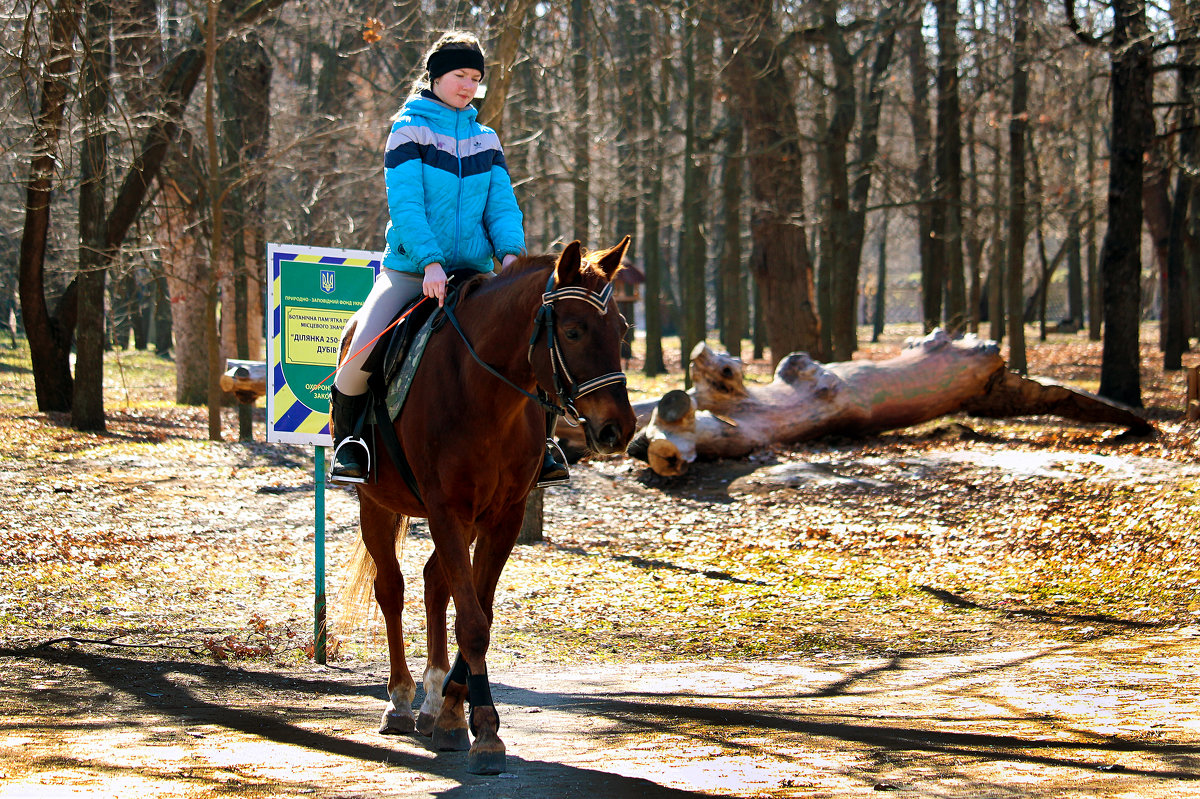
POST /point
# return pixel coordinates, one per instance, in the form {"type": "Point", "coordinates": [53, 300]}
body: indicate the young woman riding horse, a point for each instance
{"type": "Point", "coordinates": [545, 332]}
{"type": "Point", "coordinates": [451, 206]}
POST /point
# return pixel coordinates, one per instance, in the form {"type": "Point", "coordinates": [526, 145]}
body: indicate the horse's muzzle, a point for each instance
{"type": "Point", "coordinates": [610, 435]}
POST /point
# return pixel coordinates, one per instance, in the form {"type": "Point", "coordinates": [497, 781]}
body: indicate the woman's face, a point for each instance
{"type": "Point", "coordinates": [457, 87]}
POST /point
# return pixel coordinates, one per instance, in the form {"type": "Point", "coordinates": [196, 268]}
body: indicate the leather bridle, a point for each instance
{"type": "Point", "coordinates": [565, 386]}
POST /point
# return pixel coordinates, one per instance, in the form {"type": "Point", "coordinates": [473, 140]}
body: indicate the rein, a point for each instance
{"type": "Point", "coordinates": [565, 386]}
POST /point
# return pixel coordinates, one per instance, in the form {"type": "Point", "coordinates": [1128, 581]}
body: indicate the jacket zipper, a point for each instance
{"type": "Point", "coordinates": [458, 202]}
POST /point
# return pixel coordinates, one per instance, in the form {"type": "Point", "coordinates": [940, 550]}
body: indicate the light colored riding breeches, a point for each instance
{"type": "Point", "coordinates": [391, 292]}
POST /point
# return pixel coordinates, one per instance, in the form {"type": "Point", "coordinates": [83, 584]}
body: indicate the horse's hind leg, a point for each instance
{"type": "Point", "coordinates": [452, 734]}
{"type": "Point", "coordinates": [379, 530]}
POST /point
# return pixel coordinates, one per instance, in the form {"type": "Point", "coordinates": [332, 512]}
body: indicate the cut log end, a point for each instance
{"type": "Point", "coordinates": [665, 459]}
{"type": "Point", "coordinates": [675, 407]}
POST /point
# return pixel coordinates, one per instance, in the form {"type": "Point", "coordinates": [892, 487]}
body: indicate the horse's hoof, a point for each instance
{"type": "Point", "coordinates": [425, 724]}
{"type": "Point", "coordinates": [451, 740]}
{"type": "Point", "coordinates": [489, 760]}
{"type": "Point", "coordinates": [395, 722]}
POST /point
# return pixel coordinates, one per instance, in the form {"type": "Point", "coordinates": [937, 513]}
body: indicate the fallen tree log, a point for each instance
{"type": "Point", "coordinates": [723, 417]}
{"type": "Point", "coordinates": [247, 380]}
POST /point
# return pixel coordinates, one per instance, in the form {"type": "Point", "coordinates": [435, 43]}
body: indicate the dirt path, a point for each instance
{"type": "Point", "coordinates": [1121, 721]}
{"type": "Point", "coordinates": [935, 614]}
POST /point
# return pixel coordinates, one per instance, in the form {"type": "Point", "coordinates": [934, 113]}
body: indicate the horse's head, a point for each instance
{"type": "Point", "coordinates": [576, 350]}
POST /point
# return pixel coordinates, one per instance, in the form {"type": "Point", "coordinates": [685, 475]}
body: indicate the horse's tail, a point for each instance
{"type": "Point", "coordinates": [359, 593]}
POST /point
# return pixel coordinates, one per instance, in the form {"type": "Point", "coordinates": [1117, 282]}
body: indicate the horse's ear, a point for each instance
{"type": "Point", "coordinates": [610, 260]}
{"type": "Point", "coordinates": [569, 261]}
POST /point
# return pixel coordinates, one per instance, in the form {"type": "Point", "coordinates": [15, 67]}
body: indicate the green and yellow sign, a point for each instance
{"type": "Point", "coordinates": [312, 293]}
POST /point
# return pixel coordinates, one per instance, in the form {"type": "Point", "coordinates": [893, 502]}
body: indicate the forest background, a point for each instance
{"type": "Point", "coordinates": [787, 171]}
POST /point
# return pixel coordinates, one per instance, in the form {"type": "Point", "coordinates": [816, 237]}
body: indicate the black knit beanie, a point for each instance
{"type": "Point", "coordinates": [451, 58]}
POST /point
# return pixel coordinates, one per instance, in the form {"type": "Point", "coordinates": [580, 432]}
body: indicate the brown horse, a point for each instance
{"type": "Point", "coordinates": [474, 435]}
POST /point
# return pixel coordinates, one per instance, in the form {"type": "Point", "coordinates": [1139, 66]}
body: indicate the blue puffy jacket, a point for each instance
{"type": "Point", "coordinates": [449, 194]}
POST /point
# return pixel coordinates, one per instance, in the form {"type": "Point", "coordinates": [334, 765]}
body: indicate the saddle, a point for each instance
{"type": "Point", "coordinates": [393, 365]}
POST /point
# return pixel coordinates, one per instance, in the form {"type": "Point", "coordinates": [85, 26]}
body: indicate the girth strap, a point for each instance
{"type": "Point", "coordinates": [387, 433]}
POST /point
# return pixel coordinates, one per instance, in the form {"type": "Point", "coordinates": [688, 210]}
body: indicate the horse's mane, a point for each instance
{"type": "Point", "coordinates": [526, 264]}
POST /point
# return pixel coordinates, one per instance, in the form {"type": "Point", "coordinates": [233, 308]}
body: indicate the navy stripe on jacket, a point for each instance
{"type": "Point", "coordinates": [431, 155]}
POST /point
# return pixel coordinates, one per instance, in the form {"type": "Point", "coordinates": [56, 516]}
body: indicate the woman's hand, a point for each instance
{"type": "Point", "coordinates": [434, 284]}
{"type": "Point", "coordinates": [506, 260]}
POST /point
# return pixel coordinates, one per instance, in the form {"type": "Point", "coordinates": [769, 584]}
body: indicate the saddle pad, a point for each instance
{"type": "Point", "coordinates": [408, 340]}
{"type": "Point", "coordinates": [398, 386]}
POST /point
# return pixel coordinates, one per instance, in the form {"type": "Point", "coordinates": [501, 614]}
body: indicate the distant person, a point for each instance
{"type": "Point", "coordinates": [451, 206]}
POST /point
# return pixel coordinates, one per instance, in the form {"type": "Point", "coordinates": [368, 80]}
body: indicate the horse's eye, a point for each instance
{"type": "Point", "coordinates": [572, 334]}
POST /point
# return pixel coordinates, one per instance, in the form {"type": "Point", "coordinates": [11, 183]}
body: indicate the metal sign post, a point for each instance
{"type": "Point", "coordinates": [311, 293]}
{"type": "Point", "coordinates": [319, 558]}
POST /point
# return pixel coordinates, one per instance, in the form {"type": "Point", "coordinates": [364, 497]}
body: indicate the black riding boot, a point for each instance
{"type": "Point", "coordinates": [351, 460]}
{"type": "Point", "coordinates": [554, 466]}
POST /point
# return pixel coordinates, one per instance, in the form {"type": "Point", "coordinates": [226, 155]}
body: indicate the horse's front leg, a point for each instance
{"type": "Point", "coordinates": [492, 551]}
{"type": "Point", "coordinates": [379, 530]}
{"type": "Point", "coordinates": [474, 590]}
{"type": "Point", "coordinates": [468, 680]}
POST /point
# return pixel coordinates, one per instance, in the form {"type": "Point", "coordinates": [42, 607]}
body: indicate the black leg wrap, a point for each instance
{"type": "Point", "coordinates": [479, 694]}
{"type": "Point", "coordinates": [460, 673]}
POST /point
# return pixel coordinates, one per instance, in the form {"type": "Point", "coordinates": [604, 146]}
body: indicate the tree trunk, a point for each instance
{"type": "Point", "coordinates": [824, 238]}
{"type": "Point", "coordinates": [726, 418]}
{"type": "Point", "coordinates": [164, 335]}
{"type": "Point", "coordinates": [579, 10]}
{"type": "Point", "coordinates": [1018, 125]}
{"type": "Point", "coordinates": [507, 27]}
{"type": "Point", "coordinates": [1175, 333]}
{"type": "Point", "coordinates": [1192, 263]}
{"type": "Point", "coordinates": [879, 316]}
{"type": "Point", "coordinates": [1095, 313]}
{"type": "Point", "coordinates": [918, 113]}
{"type": "Point", "coordinates": [948, 159]}
{"type": "Point", "coordinates": [781, 262]}
{"type": "Point", "coordinates": [760, 325]}
{"type": "Point", "coordinates": [1074, 244]}
{"type": "Point", "coordinates": [1120, 255]}
{"type": "Point", "coordinates": [181, 236]}
{"type": "Point", "coordinates": [838, 274]}
{"type": "Point", "coordinates": [87, 405]}
{"type": "Point", "coordinates": [216, 197]}
{"type": "Point", "coordinates": [1156, 212]}
{"type": "Point", "coordinates": [850, 193]}
{"type": "Point", "coordinates": [652, 181]}
{"type": "Point", "coordinates": [973, 238]}
{"type": "Point", "coordinates": [49, 338]}
{"type": "Point", "coordinates": [693, 244]}
{"type": "Point", "coordinates": [629, 93]}
{"type": "Point", "coordinates": [734, 305]}
{"type": "Point", "coordinates": [997, 282]}
{"type": "Point", "coordinates": [245, 86]}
